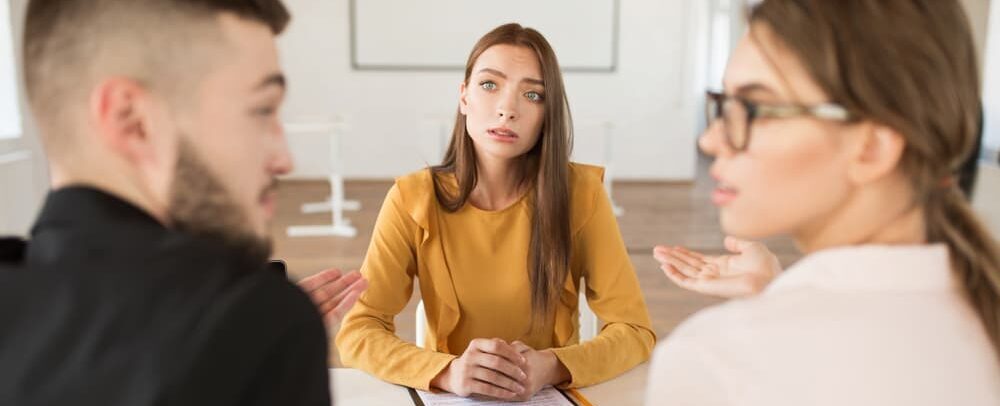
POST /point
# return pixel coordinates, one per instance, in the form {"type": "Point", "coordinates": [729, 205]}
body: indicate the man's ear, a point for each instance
{"type": "Point", "coordinates": [877, 155]}
{"type": "Point", "coordinates": [120, 110]}
{"type": "Point", "coordinates": [463, 104]}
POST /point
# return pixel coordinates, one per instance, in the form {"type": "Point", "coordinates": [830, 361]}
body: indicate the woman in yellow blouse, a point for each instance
{"type": "Point", "coordinates": [499, 236]}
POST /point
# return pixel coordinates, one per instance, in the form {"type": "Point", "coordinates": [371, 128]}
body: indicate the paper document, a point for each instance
{"type": "Point", "coordinates": [546, 397]}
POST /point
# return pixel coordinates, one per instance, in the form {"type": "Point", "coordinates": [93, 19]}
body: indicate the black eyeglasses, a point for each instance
{"type": "Point", "coordinates": [737, 114]}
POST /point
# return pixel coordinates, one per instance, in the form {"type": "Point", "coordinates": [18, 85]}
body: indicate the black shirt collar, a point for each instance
{"type": "Point", "coordinates": [93, 215]}
{"type": "Point", "coordinates": [87, 206]}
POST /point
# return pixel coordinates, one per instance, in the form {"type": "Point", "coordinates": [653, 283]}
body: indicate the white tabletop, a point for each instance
{"type": "Point", "coordinates": [351, 387]}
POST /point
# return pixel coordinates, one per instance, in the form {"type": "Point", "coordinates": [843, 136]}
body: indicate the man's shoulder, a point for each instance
{"type": "Point", "coordinates": [263, 305]}
{"type": "Point", "coordinates": [262, 326]}
{"type": "Point", "coordinates": [272, 291]}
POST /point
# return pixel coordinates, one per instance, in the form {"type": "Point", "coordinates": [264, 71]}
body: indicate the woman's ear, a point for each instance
{"type": "Point", "coordinates": [878, 154]}
{"type": "Point", "coordinates": [462, 100]}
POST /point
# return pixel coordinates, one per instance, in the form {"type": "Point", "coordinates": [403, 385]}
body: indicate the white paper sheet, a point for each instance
{"type": "Point", "coordinates": [546, 397]}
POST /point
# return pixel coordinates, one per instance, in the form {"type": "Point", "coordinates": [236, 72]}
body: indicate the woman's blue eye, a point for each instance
{"type": "Point", "coordinates": [534, 96]}
{"type": "Point", "coordinates": [488, 85]}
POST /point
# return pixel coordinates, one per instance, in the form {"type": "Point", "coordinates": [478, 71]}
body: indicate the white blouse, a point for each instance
{"type": "Point", "coordinates": [869, 325]}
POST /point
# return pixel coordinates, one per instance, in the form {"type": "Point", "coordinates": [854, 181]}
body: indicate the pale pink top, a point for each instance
{"type": "Point", "coordinates": [869, 325]}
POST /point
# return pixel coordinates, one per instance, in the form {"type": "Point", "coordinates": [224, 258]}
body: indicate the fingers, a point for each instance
{"type": "Point", "coordinates": [663, 251]}
{"type": "Point", "coordinates": [501, 365]}
{"type": "Point", "coordinates": [660, 252]}
{"type": "Point", "coordinates": [521, 347]}
{"type": "Point", "coordinates": [334, 289]}
{"type": "Point", "coordinates": [501, 349]}
{"type": "Point", "coordinates": [482, 388]}
{"type": "Point", "coordinates": [713, 269]}
{"type": "Point", "coordinates": [497, 372]}
{"type": "Point", "coordinates": [690, 263]}
{"type": "Point", "coordinates": [708, 274]}
{"type": "Point", "coordinates": [683, 267]}
{"type": "Point", "coordinates": [336, 300]}
{"type": "Point", "coordinates": [708, 265]}
{"type": "Point", "coordinates": [694, 261]}
{"type": "Point", "coordinates": [311, 283]}
{"type": "Point", "coordinates": [693, 254]}
{"type": "Point", "coordinates": [676, 276]}
{"type": "Point", "coordinates": [357, 286]}
{"type": "Point", "coordinates": [665, 256]}
{"type": "Point", "coordinates": [337, 314]}
{"type": "Point", "coordinates": [492, 367]}
{"type": "Point", "coordinates": [497, 355]}
{"type": "Point", "coordinates": [700, 283]}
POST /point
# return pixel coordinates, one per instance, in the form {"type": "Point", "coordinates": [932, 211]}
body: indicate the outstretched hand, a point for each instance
{"type": "Point", "coordinates": [745, 272]}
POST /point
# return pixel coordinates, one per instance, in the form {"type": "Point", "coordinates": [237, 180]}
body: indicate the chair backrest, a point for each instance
{"type": "Point", "coordinates": [588, 321]}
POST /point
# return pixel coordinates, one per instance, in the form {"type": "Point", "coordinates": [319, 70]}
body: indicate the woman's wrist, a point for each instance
{"type": "Point", "coordinates": [555, 372]}
{"type": "Point", "coordinates": [441, 380]}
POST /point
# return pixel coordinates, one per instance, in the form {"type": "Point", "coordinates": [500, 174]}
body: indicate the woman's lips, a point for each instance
{"type": "Point", "coordinates": [724, 194]}
{"type": "Point", "coordinates": [502, 134]}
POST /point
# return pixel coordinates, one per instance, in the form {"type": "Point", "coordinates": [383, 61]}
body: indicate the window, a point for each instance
{"type": "Point", "coordinates": [10, 115]}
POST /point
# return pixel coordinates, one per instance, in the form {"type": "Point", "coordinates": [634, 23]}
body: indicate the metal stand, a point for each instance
{"type": "Point", "coordinates": [337, 203]}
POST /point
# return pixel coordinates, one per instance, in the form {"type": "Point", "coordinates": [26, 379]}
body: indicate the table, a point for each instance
{"type": "Point", "coordinates": [353, 387]}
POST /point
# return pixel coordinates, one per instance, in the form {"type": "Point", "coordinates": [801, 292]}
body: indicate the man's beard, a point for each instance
{"type": "Point", "coordinates": [200, 205]}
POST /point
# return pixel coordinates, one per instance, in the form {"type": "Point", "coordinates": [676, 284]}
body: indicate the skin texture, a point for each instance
{"type": "Point", "coordinates": [205, 163]}
{"type": "Point", "coordinates": [503, 92]}
{"type": "Point", "coordinates": [825, 183]}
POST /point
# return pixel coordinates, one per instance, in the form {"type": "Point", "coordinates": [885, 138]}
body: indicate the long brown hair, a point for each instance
{"type": "Point", "coordinates": [544, 169]}
{"type": "Point", "coordinates": [909, 65]}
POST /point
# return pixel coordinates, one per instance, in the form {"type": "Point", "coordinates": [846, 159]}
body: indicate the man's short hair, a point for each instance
{"type": "Point", "coordinates": [70, 44]}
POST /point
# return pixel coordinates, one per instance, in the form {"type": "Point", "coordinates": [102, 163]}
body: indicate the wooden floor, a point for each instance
{"type": "Point", "coordinates": [655, 213]}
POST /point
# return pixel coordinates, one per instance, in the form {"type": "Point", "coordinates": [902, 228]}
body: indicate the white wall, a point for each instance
{"type": "Point", "coordinates": [991, 85]}
{"type": "Point", "coordinates": [10, 115]}
{"type": "Point", "coordinates": [987, 198]}
{"type": "Point", "coordinates": [23, 183]}
{"type": "Point", "coordinates": [391, 115]}
{"type": "Point", "coordinates": [987, 194]}
{"type": "Point", "coordinates": [587, 44]}
{"type": "Point", "coordinates": [978, 11]}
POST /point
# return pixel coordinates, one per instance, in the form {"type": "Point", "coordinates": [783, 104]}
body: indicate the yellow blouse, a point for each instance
{"type": "Point", "coordinates": [473, 278]}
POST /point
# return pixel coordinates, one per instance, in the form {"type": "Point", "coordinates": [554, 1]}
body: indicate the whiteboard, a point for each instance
{"type": "Point", "coordinates": [10, 115]}
{"type": "Point", "coordinates": [439, 34]}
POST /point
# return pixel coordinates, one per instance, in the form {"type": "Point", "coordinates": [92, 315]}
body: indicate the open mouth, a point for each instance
{"type": "Point", "coordinates": [504, 134]}
{"type": "Point", "coordinates": [723, 194]}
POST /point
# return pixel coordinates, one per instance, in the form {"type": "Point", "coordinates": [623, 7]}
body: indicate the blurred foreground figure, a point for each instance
{"type": "Point", "coordinates": [145, 279]}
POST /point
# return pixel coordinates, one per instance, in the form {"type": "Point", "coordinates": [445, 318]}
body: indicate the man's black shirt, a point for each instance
{"type": "Point", "coordinates": [106, 306]}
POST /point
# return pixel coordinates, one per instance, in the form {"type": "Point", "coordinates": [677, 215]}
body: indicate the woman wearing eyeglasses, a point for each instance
{"type": "Point", "coordinates": [842, 124]}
